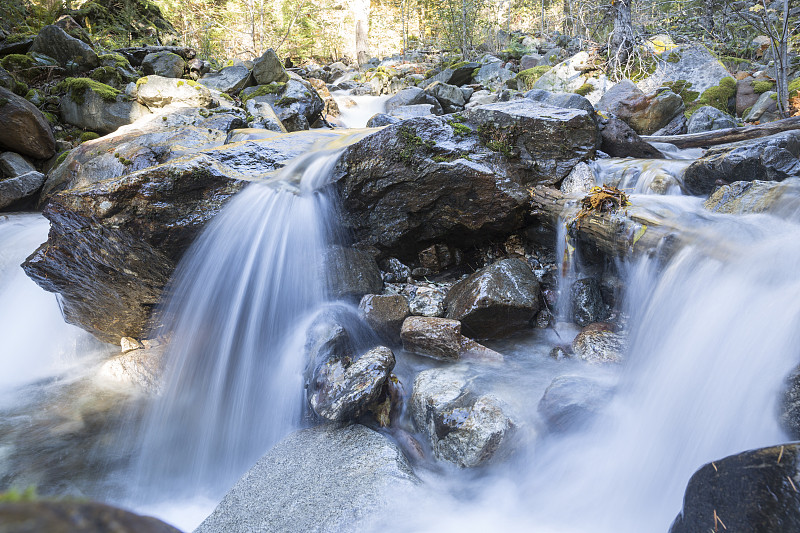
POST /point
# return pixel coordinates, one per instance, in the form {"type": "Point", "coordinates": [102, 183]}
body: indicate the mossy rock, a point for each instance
{"type": "Point", "coordinates": [76, 89]}
{"type": "Point", "coordinates": [530, 76]}
{"type": "Point", "coordinates": [584, 89]}
{"type": "Point", "coordinates": [114, 60]}
{"type": "Point", "coordinates": [683, 89]}
{"type": "Point", "coordinates": [718, 96]}
{"type": "Point", "coordinates": [760, 87]}
{"type": "Point", "coordinates": [794, 88]}
{"type": "Point", "coordinates": [17, 62]}
{"type": "Point", "coordinates": [107, 75]}
{"type": "Point", "coordinates": [123, 22]}
{"type": "Point", "coordinates": [89, 136]}
{"type": "Point", "coordinates": [264, 90]}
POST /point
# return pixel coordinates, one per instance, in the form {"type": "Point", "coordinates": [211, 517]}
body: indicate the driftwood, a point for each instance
{"type": "Point", "coordinates": [627, 234]}
{"type": "Point", "coordinates": [729, 135]}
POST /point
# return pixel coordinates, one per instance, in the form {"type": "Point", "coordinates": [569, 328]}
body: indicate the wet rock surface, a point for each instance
{"type": "Point", "coordinates": [599, 343]}
{"type": "Point", "coordinates": [752, 492]}
{"type": "Point", "coordinates": [789, 416]}
{"type": "Point", "coordinates": [463, 427]}
{"type": "Point", "coordinates": [410, 184]}
{"type": "Point", "coordinates": [496, 300]}
{"type": "Point", "coordinates": [772, 158]}
{"type": "Point", "coordinates": [326, 479]}
{"type": "Point", "coordinates": [439, 338]}
{"type": "Point", "coordinates": [587, 301]}
{"type": "Point", "coordinates": [385, 314]}
{"type": "Point", "coordinates": [572, 401]}
{"type": "Point", "coordinates": [75, 517]}
{"type": "Point", "coordinates": [619, 140]}
{"type": "Point", "coordinates": [351, 273]}
{"type": "Point", "coordinates": [344, 390]}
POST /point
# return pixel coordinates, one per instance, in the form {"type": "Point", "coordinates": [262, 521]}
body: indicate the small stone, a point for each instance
{"type": "Point", "coordinates": [598, 343]}
{"type": "Point", "coordinates": [129, 343]}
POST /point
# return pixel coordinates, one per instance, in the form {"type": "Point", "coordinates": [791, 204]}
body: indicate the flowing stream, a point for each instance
{"type": "Point", "coordinates": [712, 333]}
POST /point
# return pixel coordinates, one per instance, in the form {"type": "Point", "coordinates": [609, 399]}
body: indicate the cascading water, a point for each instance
{"type": "Point", "coordinates": [238, 310]}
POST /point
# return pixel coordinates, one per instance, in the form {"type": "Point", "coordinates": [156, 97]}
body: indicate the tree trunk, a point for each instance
{"type": "Point", "coordinates": [781, 49]}
{"type": "Point", "coordinates": [728, 135]}
{"type": "Point", "coordinates": [621, 46]}
{"type": "Point", "coordinates": [361, 11]}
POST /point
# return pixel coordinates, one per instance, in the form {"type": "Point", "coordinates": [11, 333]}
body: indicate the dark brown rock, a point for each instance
{"type": "Point", "coordinates": [435, 337]}
{"type": "Point", "coordinates": [385, 314]}
{"type": "Point", "coordinates": [75, 517]}
{"type": "Point", "coordinates": [25, 129]}
{"type": "Point", "coordinates": [751, 492]}
{"type": "Point", "coordinates": [496, 300]}
{"type": "Point", "coordinates": [434, 179]}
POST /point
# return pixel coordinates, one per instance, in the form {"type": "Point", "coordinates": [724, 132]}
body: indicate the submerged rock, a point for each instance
{"type": "Point", "coordinates": [68, 516]}
{"type": "Point", "coordinates": [464, 428]}
{"type": "Point", "coordinates": [772, 158]}
{"type": "Point", "coordinates": [571, 401]}
{"type": "Point", "coordinates": [750, 492]}
{"type": "Point", "coordinates": [496, 300]}
{"type": "Point", "coordinates": [325, 479]}
{"type": "Point", "coordinates": [743, 197]}
{"type": "Point", "coordinates": [435, 179]}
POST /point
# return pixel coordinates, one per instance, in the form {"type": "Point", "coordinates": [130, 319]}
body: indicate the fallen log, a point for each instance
{"type": "Point", "coordinates": [628, 233]}
{"type": "Point", "coordinates": [728, 135]}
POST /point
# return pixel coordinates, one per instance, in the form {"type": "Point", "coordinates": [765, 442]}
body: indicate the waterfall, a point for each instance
{"type": "Point", "coordinates": [236, 310]}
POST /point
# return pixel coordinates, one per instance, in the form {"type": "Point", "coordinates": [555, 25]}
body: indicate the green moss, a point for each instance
{"type": "Point", "coordinates": [458, 65]}
{"type": "Point", "coordinates": [459, 128]}
{"type": "Point", "coordinates": [107, 75]}
{"type": "Point", "coordinates": [794, 88]}
{"type": "Point", "coordinates": [475, 72]}
{"type": "Point", "coordinates": [286, 101]}
{"type": "Point", "coordinates": [717, 96]}
{"type": "Point", "coordinates": [114, 59]}
{"type": "Point", "coordinates": [89, 136]}
{"type": "Point", "coordinates": [500, 146]}
{"type": "Point", "coordinates": [673, 57]}
{"type": "Point", "coordinates": [530, 76]}
{"type": "Point", "coordinates": [584, 89]}
{"type": "Point", "coordinates": [264, 90]}
{"type": "Point", "coordinates": [14, 495]}
{"type": "Point", "coordinates": [412, 142]}
{"type": "Point", "coordinates": [76, 88]}
{"type": "Point", "coordinates": [226, 96]}
{"type": "Point", "coordinates": [20, 88]}
{"type": "Point", "coordinates": [50, 117]}
{"type": "Point", "coordinates": [17, 62]}
{"type": "Point", "coordinates": [747, 111]}
{"type": "Point", "coordinates": [3, 101]}
{"type": "Point", "coordinates": [61, 157]}
{"type": "Point", "coordinates": [760, 87]}
{"type": "Point", "coordinates": [17, 37]}
{"type": "Point", "coordinates": [683, 89]}
{"type": "Point", "coordinates": [141, 81]}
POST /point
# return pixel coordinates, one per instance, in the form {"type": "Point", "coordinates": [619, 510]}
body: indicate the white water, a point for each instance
{"type": "Point", "coordinates": [366, 106]}
{"type": "Point", "coordinates": [36, 343]}
{"type": "Point", "coordinates": [713, 332]}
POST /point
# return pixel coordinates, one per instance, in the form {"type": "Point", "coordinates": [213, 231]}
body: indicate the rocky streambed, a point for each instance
{"type": "Point", "coordinates": [456, 349]}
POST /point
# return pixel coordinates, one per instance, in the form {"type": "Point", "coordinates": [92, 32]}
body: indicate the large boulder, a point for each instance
{"type": "Point", "coordinates": [25, 130]}
{"type": "Point", "coordinates": [458, 74]}
{"type": "Point", "coordinates": [159, 91]}
{"type": "Point", "coordinates": [459, 180]}
{"type": "Point", "coordinates": [744, 197]}
{"type": "Point", "coordinates": [493, 74]}
{"type": "Point", "coordinates": [709, 118]}
{"type": "Point", "coordinates": [646, 114]}
{"type": "Point", "coordinates": [619, 140]}
{"type": "Point", "coordinates": [99, 111]}
{"type": "Point", "coordinates": [772, 158]}
{"type": "Point", "coordinates": [325, 479]}
{"type": "Point", "coordinates": [464, 427]}
{"type": "Point", "coordinates": [295, 102]}
{"type": "Point", "coordinates": [750, 492]}
{"type": "Point", "coordinates": [70, 52]}
{"type": "Point", "coordinates": [145, 144]}
{"type": "Point", "coordinates": [75, 516]}
{"type": "Point", "coordinates": [264, 116]}
{"type": "Point", "coordinates": [166, 64]}
{"type": "Point", "coordinates": [765, 109]}
{"type": "Point", "coordinates": [449, 96]}
{"type": "Point", "coordinates": [269, 69]}
{"type": "Point", "coordinates": [497, 300]}
{"type": "Point", "coordinates": [16, 188]}
{"type": "Point", "coordinates": [229, 80]}
{"type": "Point", "coordinates": [694, 64]}
{"type": "Point", "coordinates": [573, 74]}
{"type": "Point", "coordinates": [113, 244]}
{"type": "Point", "coordinates": [569, 100]}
